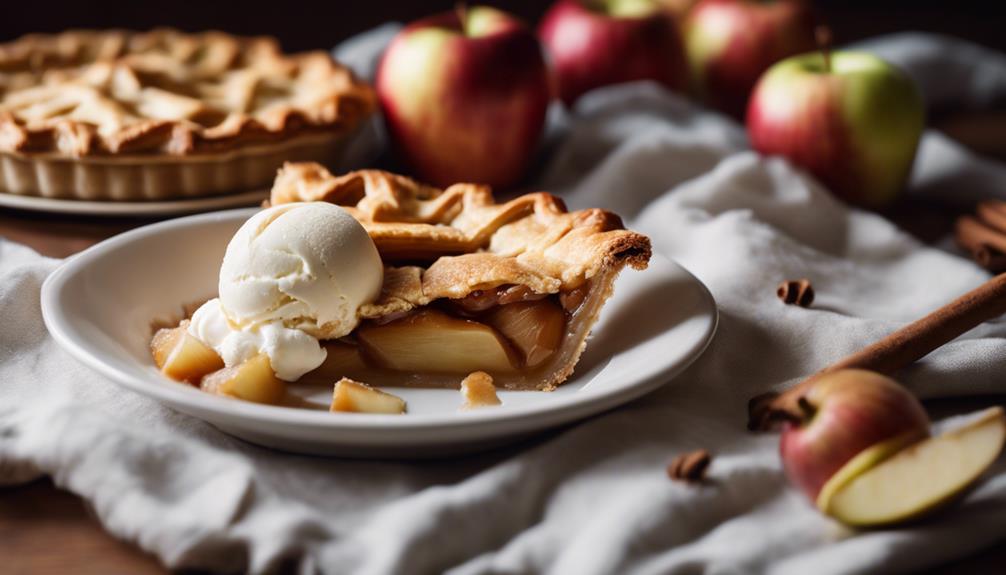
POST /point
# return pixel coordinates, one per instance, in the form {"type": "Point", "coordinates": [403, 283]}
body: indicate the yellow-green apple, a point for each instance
{"type": "Point", "coordinates": [850, 118]}
{"type": "Point", "coordinates": [730, 43]}
{"type": "Point", "coordinates": [843, 414]}
{"type": "Point", "coordinates": [594, 43]}
{"type": "Point", "coordinates": [464, 96]}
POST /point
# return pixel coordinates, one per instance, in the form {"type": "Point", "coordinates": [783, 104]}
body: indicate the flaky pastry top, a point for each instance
{"type": "Point", "coordinates": [86, 93]}
{"type": "Point", "coordinates": [462, 241]}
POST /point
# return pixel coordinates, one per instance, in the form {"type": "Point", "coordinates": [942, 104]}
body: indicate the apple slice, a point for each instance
{"type": "Point", "coordinates": [181, 356]}
{"type": "Point", "coordinates": [534, 327]}
{"type": "Point", "coordinates": [251, 380]}
{"type": "Point", "coordinates": [919, 478]}
{"type": "Point", "coordinates": [862, 462]}
{"type": "Point", "coordinates": [353, 396]}
{"type": "Point", "coordinates": [432, 341]}
{"type": "Point", "coordinates": [341, 360]}
{"type": "Point", "coordinates": [479, 391]}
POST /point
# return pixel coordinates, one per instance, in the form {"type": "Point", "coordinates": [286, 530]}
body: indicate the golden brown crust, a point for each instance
{"type": "Point", "coordinates": [88, 93]}
{"type": "Point", "coordinates": [467, 241]}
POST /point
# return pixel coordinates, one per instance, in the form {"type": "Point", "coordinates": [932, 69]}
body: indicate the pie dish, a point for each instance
{"type": "Point", "coordinates": [119, 115]}
{"type": "Point", "coordinates": [464, 285]}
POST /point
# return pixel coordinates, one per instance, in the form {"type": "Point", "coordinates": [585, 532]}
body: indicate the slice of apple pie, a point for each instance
{"type": "Point", "coordinates": [511, 289]}
{"type": "Point", "coordinates": [376, 278]}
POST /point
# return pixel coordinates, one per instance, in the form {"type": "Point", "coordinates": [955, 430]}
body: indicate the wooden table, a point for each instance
{"type": "Point", "coordinates": [44, 529]}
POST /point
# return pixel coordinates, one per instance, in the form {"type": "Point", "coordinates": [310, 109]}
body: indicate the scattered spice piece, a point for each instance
{"type": "Point", "coordinates": [690, 467]}
{"type": "Point", "coordinates": [796, 292]}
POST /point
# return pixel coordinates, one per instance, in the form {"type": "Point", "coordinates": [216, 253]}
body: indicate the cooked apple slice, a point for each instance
{"type": "Point", "coordinates": [534, 327]}
{"type": "Point", "coordinates": [478, 391]}
{"type": "Point", "coordinates": [342, 359]}
{"type": "Point", "coordinates": [181, 356]}
{"type": "Point", "coordinates": [921, 477]}
{"type": "Point", "coordinates": [432, 341]}
{"type": "Point", "coordinates": [357, 397]}
{"type": "Point", "coordinates": [251, 380]}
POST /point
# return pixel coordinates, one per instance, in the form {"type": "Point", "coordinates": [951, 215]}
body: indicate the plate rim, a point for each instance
{"type": "Point", "coordinates": [113, 208]}
{"type": "Point", "coordinates": [196, 403]}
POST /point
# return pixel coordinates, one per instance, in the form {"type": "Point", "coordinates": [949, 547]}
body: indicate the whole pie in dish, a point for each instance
{"type": "Point", "coordinates": [119, 115]}
{"type": "Point", "coordinates": [461, 284]}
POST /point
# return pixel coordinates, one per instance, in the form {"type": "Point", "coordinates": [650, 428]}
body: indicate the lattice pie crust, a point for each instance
{"type": "Point", "coordinates": [163, 114]}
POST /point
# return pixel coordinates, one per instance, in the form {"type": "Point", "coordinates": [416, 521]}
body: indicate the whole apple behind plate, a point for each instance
{"type": "Point", "coordinates": [730, 43]}
{"type": "Point", "coordinates": [850, 118]}
{"type": "Point", "coordinates": [464, 96]}
{"type": "Point", "coordinates": [594, 43]}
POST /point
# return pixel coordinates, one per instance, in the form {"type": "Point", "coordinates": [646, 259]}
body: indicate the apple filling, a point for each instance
{"type": "Point", "coordinates": [511, 333]}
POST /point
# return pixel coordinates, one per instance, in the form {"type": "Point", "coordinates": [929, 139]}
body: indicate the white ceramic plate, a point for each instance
{"type": "Point", "coordinates": [165, 208]}
{"type": "Point", "coordinates": [100, 303]}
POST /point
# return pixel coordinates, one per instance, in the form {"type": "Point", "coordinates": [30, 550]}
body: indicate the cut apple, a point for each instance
{"type": "Point", "coordinates": [432, 341]}
{"type": "Point", "coordinates": [356, 397]}
{"type": "Point", "coordinates": [919, 478]}
{"type": "Point", "coordinates": [866, 459]}
{"type": "Point", "coordinates": [252, 380]}
{"type": "Point", "coordinates": [342, 359]}
{"type": "Point", "coordinates": [181, 356]}
{"type": "Point", "coordinates": [534, 327]}
{"type": "Point", "coordinates": [478, 391]}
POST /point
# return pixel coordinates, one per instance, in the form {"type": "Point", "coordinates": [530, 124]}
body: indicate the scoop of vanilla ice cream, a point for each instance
{"type": "Point", "coordinates": [307, 266]}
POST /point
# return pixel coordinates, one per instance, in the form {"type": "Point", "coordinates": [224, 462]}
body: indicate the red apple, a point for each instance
{"type": "Point", "coordinates": [464, 96]}
{"type": "Point", "coordinates": [851, 119]}
{"type": "Point", "coordinates": [730, 43]}
{"type": "Point", "coordinates": [845, 413]}
{"type": "Point", "coordinates": [596, 43]}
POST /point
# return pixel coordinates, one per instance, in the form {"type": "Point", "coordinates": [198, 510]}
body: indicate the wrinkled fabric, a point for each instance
{"type": "Point", "coordinates": [591, 497]}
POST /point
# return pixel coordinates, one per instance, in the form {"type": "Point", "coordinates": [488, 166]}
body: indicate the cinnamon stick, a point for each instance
{"type": "Point", "coordinates": [993, 213]}
{"type": "Point", "coordinates": [897, 350]}
{"type": "Point", "coordinates": [990, 259]}
{"type": "Point", "coordinates": [972, 235]}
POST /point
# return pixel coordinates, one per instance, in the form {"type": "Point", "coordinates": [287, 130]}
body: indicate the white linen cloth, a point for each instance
{"type": "Point", "coordinates": [592, 497]}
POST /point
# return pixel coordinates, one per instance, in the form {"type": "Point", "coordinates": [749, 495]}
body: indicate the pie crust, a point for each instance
{"type": "Point", "coordinates": [458, 248]}
{"type": "Point", "coordinates": [122, 115]}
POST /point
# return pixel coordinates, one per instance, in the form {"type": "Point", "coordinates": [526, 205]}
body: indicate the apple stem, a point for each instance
{"type": "Point", "coordinates": [823, 36]}
{"type": "Point", "coordinates": [806, 408]}
{"type": "Point", "coordinates": [461, 9]}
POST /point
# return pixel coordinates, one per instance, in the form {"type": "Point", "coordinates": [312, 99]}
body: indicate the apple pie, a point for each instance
{"type": "Point", "coordinates": [119, 115]}
{"type": "Point", "coordinates": [469, 285]}
{"type": "Point", "coordinates": [511, 289]}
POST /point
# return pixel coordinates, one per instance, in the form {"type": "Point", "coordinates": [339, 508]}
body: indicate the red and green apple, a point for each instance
{"type": "Point", "coordinates": [464, 96]}
{"type": "Point", "coordinates": [730, 43]}
{"type": "Point", "coordinates": [843, 414]}
{"type": "Point", "coordinates": [857, 444]}
{"type": "Point", "coordinates": [594, 43]}
{"type": "Point", "coordinates": [850, 118]}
